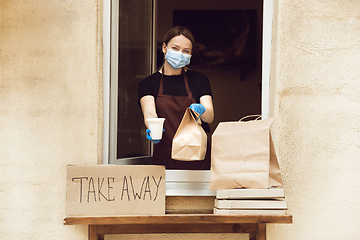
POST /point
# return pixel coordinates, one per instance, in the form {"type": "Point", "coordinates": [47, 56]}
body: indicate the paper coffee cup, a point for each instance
{"type": "Point", "coordinates": [156, 127]}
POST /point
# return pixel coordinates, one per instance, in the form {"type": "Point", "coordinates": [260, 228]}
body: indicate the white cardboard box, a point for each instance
{"type": "Point", "coordinates": [248, 212]}
{"type": "Point", "coordinates": [250, 204]}
{"type": "Point", "coordinates": [246, 193]}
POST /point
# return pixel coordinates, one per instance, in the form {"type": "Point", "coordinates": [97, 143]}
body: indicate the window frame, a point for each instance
{"type": "Point", "coordinates": [178, 182]}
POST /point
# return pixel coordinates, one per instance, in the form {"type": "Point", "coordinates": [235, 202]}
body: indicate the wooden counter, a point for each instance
{"type": "Point", "coordinates": [255, 225]}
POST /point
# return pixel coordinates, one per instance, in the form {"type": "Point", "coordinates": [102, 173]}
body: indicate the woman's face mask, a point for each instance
{"type": "Point", "coordinates": [177, 59]}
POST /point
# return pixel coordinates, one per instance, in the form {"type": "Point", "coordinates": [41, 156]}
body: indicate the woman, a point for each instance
{"type": "Point", "coordinates": [170, 91]}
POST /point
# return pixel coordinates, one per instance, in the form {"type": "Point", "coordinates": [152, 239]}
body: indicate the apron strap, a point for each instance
{"type": "Point", "coordinates": [161, 88]}
{"type": "Point", "coordinates": [189, 93]}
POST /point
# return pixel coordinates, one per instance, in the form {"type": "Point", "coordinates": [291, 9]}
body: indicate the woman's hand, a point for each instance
{"type": "Point", "coordinates": [198, 107]}
{"type": "Point", "coordinates": [148, 131]}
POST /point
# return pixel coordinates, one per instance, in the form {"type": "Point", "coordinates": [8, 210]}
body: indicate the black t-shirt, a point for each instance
{"type": "Point", "coordinates": [174, 85]}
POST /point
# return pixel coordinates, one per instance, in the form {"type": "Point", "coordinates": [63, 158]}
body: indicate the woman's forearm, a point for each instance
{"type": "Point", "coordinates": [148, 108]}
{"type": "Point", "coordinates": [208, 115]}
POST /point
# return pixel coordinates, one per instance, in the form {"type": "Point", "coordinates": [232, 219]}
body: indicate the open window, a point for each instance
{"type": "Point", "coordinates": [133, 32]}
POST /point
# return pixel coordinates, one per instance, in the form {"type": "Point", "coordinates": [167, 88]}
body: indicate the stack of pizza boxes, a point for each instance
{"type": "Point", "coordinates": [245, 201]}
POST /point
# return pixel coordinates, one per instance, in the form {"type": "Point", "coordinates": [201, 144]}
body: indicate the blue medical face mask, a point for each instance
{"type": "Point", "coordinates": [177, 59]}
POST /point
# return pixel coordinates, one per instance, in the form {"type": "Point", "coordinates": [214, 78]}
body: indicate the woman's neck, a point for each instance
{"type": "Point", "coordinates": [168, 70]}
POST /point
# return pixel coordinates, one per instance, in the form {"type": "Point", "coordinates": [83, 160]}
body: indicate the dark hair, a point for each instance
{"type": "Point", "coordinates": [177, 31]}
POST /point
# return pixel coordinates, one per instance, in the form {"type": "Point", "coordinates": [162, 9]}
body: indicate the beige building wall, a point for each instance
{"type": "Point", "coordinates": [51, 116]}
{"type": "Point", "coordinates": [315, 89]}
{"type": "Point", "coordinates": [50, 110]}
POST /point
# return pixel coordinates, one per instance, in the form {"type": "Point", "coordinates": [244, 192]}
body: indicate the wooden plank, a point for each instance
{"type": "Point", "coordinates": [253, 236]}
{"type": "Point", "coordinates": [261, 231]}
{"type": "Point", "coordinates": [92, 235]}
{"type": "Point", "coordinates": [178, 219]}
{"type": "Point", "coordinates": [176, 228]}
{"type": "Point", "coordinates": [189, 211]}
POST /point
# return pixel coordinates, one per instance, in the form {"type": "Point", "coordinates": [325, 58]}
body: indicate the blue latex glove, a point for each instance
{"type": "Point", "coordinates": [148, 131]}
{"type": "Point", "coordinates": [199, 108]}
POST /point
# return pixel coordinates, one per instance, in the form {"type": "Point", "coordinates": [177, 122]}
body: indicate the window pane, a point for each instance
{"type": "Point", "coordinates": [134, 65]}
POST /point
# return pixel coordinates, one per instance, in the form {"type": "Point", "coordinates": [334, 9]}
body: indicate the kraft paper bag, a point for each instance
{"type": "Point", "coordinates": [190, 140]}
{"type": "Point", "coordinates": [243, 156]}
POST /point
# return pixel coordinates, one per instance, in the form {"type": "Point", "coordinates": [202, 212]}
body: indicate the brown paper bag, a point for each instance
{"type": "Point", "coordinates": [243, 156]}
{"type": "Point", "coordinates": [190, 140]}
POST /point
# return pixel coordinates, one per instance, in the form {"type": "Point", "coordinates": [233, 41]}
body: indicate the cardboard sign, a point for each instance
{"type": "Point", "coordinates": [109, 190]}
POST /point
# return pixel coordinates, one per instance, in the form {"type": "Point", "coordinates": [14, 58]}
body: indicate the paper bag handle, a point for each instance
{"type": "Point", "coordinates": [258, 116]}
{"type": "Point", "coordinates": [195, 116]}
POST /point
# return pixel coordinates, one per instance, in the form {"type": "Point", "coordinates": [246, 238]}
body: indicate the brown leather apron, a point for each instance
{"type": "Point", "coordinates": [172, 108]}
